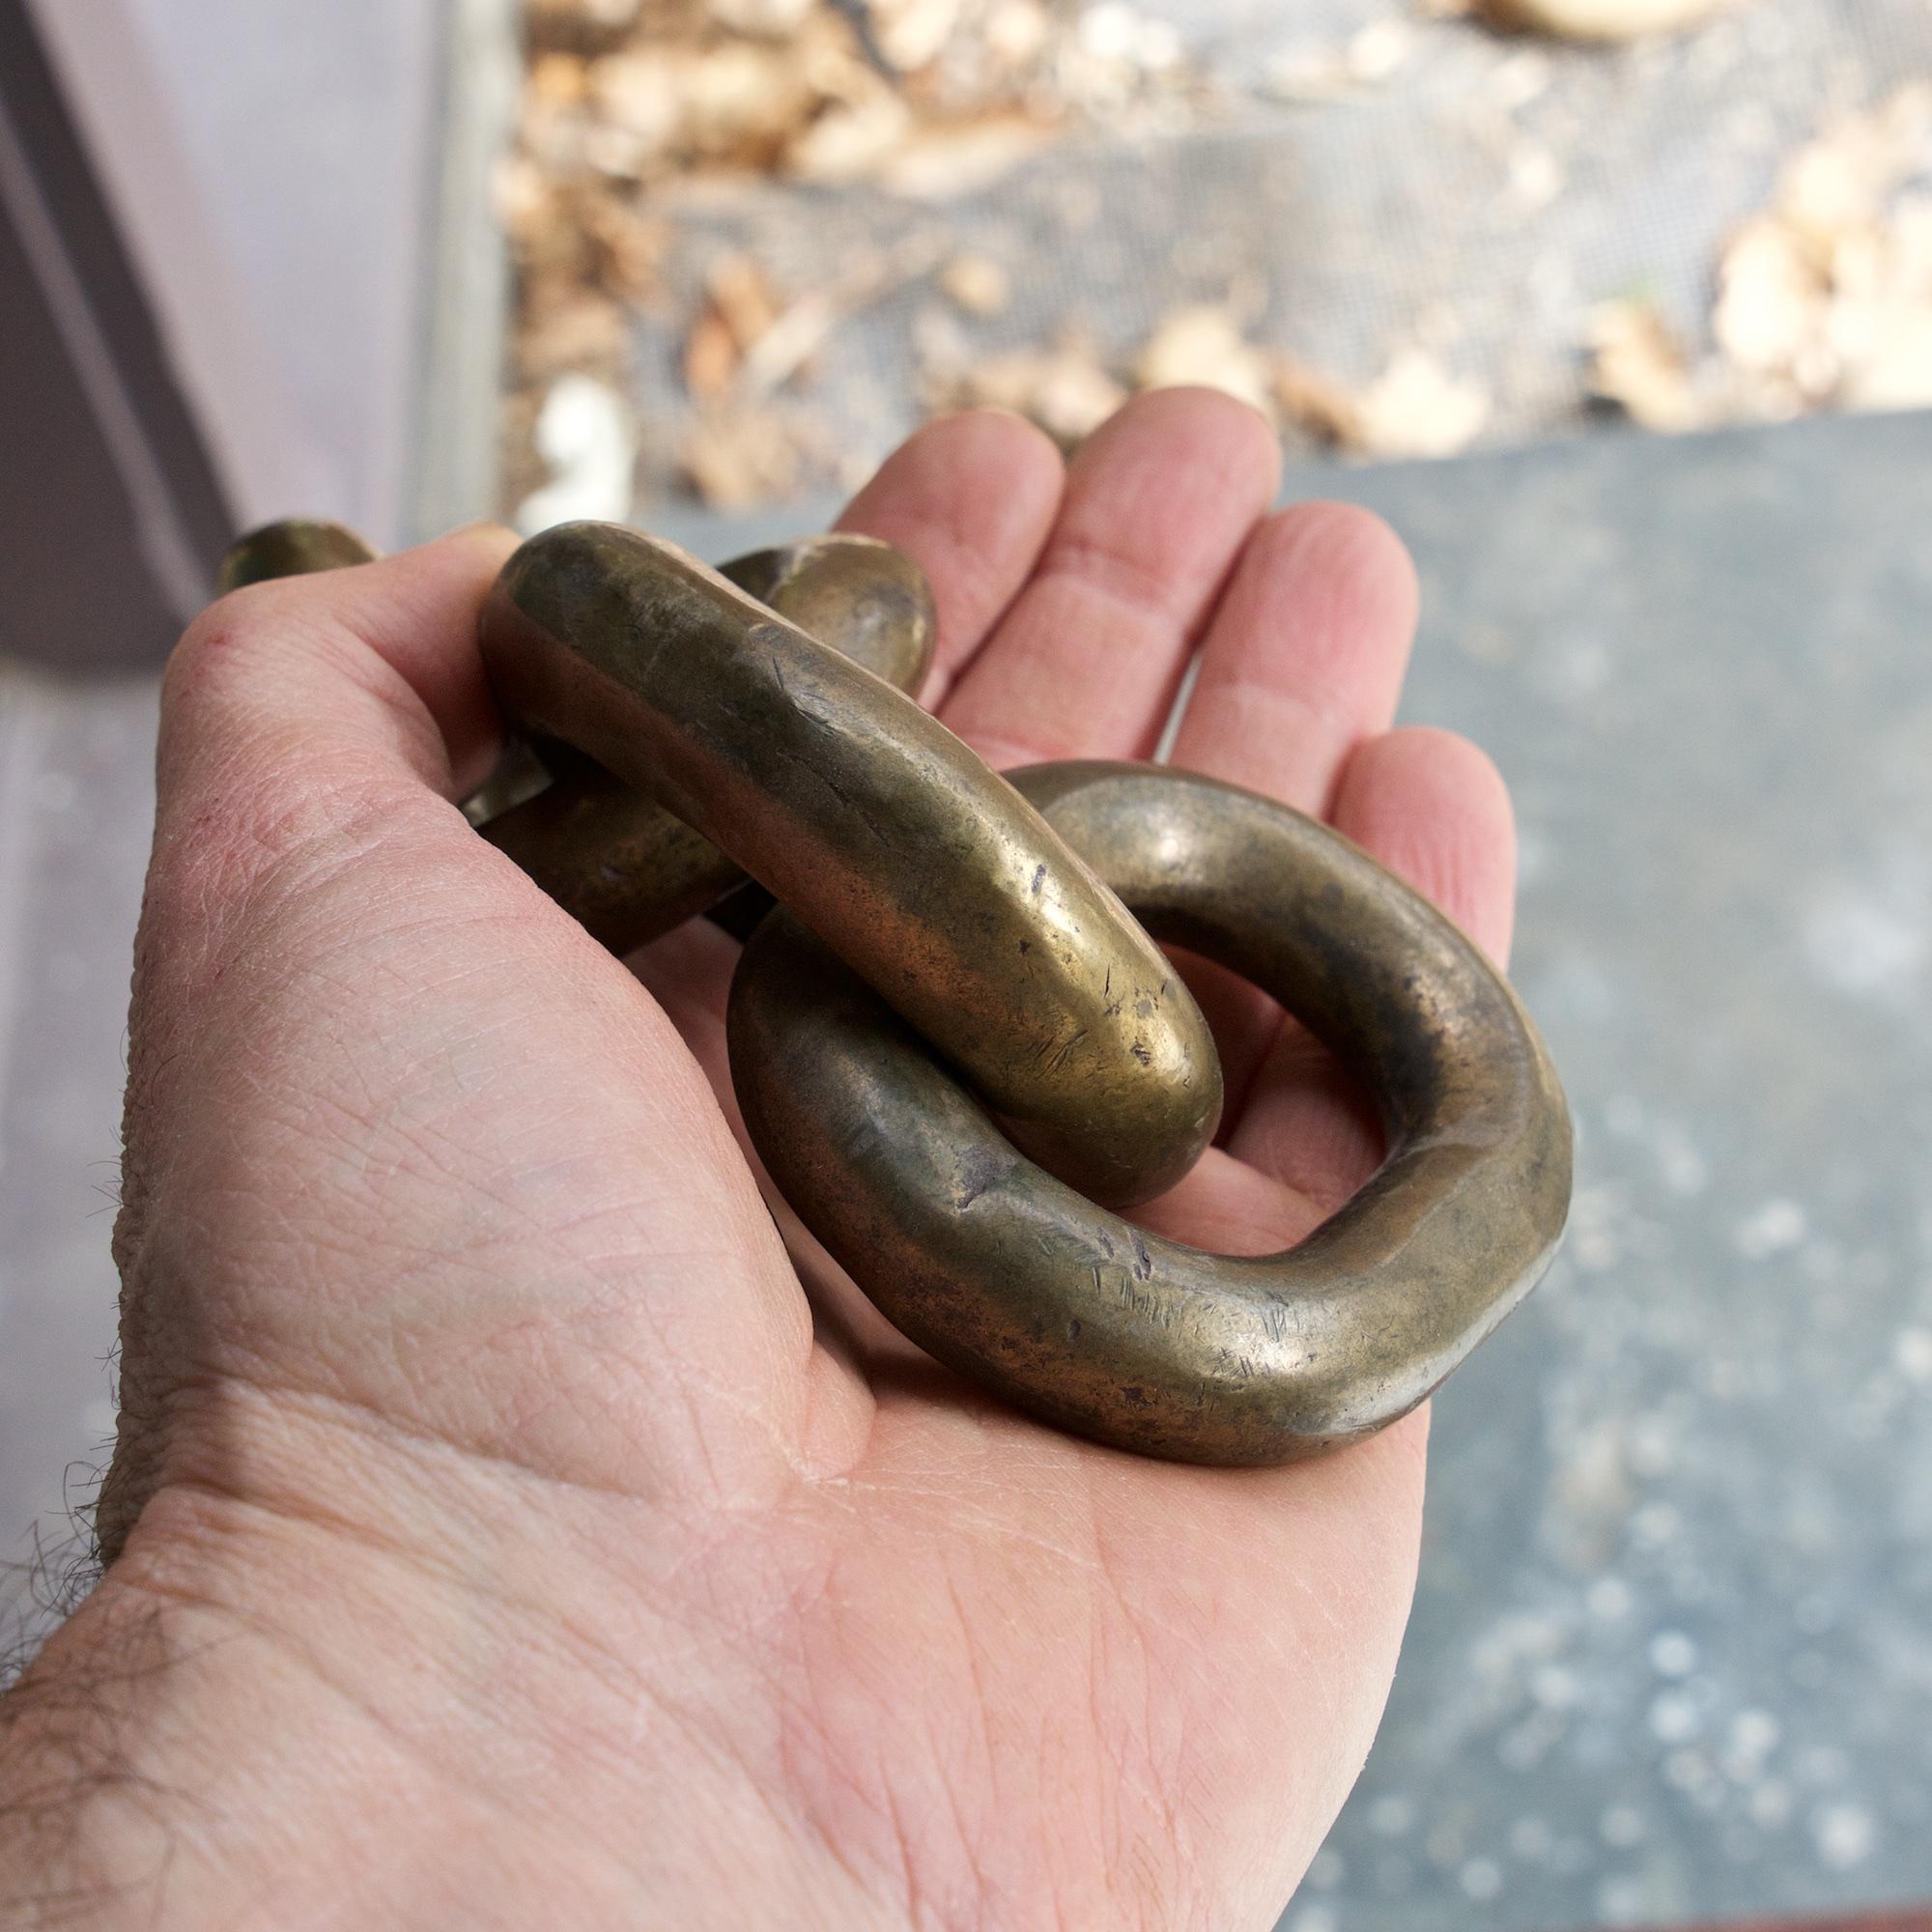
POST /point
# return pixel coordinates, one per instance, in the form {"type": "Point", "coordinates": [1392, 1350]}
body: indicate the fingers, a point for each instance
{"type": "Point", "coordinates": [1436, 812]}
{"type": "Point", "coordinates": [1304, 659]}
{"type": "Point", "coordinates": [970, 499]}
{"type": "Point", "coordinates": [1157, 505]}
{"type": "Point", "coordinates": [1305, 656]}
{"type": "Point", "coordinates": [1433, 809]}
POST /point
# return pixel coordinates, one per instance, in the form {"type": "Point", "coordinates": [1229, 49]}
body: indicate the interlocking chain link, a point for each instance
{"type": "Point", "coordinates": [931, 877]}
{"type": "Point", "coordinates": [954, 1038]}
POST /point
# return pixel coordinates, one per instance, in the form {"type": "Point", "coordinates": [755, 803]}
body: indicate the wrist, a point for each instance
{"type": "Point", "coordinates": [419, 1715]}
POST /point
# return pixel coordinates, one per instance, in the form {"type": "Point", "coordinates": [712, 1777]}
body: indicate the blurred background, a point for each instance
{"type": "Point", "coordinates": [1620, 310]}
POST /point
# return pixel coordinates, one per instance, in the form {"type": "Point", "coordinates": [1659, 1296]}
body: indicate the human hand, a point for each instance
{"type": "Point", "coordinates": [495, 1539]}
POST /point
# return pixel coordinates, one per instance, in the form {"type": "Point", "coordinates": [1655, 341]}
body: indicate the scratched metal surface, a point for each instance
{"type": "Point", "coordinates": [1670, 1655]}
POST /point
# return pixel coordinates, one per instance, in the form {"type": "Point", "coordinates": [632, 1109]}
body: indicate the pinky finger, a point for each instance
{"type": "Point", "coordinates": [1436, 812]}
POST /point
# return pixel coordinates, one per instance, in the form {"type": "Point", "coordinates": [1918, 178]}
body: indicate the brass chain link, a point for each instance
{"type": "Point", "coordinates": [956, 1043]}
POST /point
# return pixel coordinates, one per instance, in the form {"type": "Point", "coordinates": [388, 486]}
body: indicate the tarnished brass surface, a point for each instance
{"type": "Point", "coordinates": [616, 859]}
{"type": "Point", "coordinates": [1073, 1312]}
{"type": "Point", "coordinates": [931, 877]}
{"type": "Point", "coordinates": [291, 548]}
{"type": "Point", "coordinates": [959, 934]}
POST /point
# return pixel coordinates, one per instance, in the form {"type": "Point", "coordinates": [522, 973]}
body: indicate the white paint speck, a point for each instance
{"type": "Point", "coordinates": [1531, 1840]}
{"type": "Point", "coordinates": [1325, 1870]}
{"type": "Point", "coordinates": [1609, 1599]}
{"type": "Point", "coordinates": [1682, 1164]}
{"type": "Point", "coordinates": [1481, 1878]}
{"type": "Point", "coordinates": [1845, 1834]}
{"type": "Point", "coordinates": [1555, 1689]}
{"type": "Point", "coordinates": [1620, 1901]}
{"type": "Point", "coordinates": [1672, 1654]}
{"type": "Point", "coordinates": [1912, 1355]}
{"type": "Point", "coordinates": [1655, 1524]}
{"type": "Point", "coordinates": [1315, 1919]}
{"type": "Point", "coordinates": [1673, 1718]}
{"type": "Point", "coordinates": [586, 437]}
{"type": "Point", "coordinates": [1865, 945]}
{"type": "Point", "coordinates": [1777, 1227]}
{"type": "Point", "coordinates": [1621, 1826]}
{"type": "Point", "coordinates": [1391, 1815]}
{"type": "Point", "coordinates": [1691, 1773]}
{"type": "Point", "coordinates": [1752, 1737]}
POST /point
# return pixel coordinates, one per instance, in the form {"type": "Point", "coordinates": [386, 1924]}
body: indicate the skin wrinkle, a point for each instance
{"type": "Point", "coordinates": [544, 1626]}
{"type": "Point", "coordinates": [447, 1771]}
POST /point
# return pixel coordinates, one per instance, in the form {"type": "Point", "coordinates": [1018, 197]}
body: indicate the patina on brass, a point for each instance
{"type": "Point", "coordinates": [930, 875]}
{"type": "Point", "coordinates": [613, 857]}
{"type": "Point", "coordinates": [1070, 1312]}
{"type": "Point", "coordinates": [293, 547]}
{"type": "Point", "coordinates": [1004, 958]}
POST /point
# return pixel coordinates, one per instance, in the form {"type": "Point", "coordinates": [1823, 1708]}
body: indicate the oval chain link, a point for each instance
{"type": "Point", "coordinates": [954, 983]}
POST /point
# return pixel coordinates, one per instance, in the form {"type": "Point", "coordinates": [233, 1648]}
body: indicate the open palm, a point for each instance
{"type": "Point", "coordinates": [601, 1572]}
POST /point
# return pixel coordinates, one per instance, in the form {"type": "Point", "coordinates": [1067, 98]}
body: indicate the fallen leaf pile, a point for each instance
{"type": "Point", "coordinates": [629, 104]}
{"type": "Point", "coordinates": [642, 119]}
{"type": "Point", "coordinates": [1823, 300]}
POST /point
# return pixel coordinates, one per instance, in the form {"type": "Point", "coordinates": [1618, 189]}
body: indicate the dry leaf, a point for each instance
{"type": "Point", "coordinates": [765, 19]}
{"type": "Point", "coordinates": [848, 142]}
{"type": "Point", "coordinates": [738, 459]}
{"type": "Point", "coordinates": [557, 80]}
{"type": "Point", "coordinates": [911, 32]}
{"type": "Point", "coordinates": [1826, 298]}
{"type": "Point", "coordinates": [711, 356]}
{"type": "Point", "coordinates": [1204, 344]}
{"type": "Point", "coordinates": [584, 330]}
{"type": "Point", "coordinates": [1065, 389]}
{"type": "Point", "coordinates": [1309, 76]}
{"type": "Point", "coordinates": [1598, 19]}
{"type": "Point", "coordinates": [639, 96]}
{"type": "Point", "coordinates": [937, 165]}
{"type": "Point", "coordinates": [1416, 409]}
{"type": "Point", "coordinates": [977, 283]}
{"type": "Point", "coordinates": [1318, 404]}
{"type": "Point", "coordinates": [1638, 365]}
{"type": "Point", "coordinates": [1016, 33]}
{"type": "Point", "coordinates": [1771, 298]}
{"type": "Point", "coordinates": [743, 100]}
{"type": "Point", "coordinates": [738, 290]}
{"type": "Point", "coordinates": [1377, 51]}
{"type": "Point", "coordinates": [633, 244]}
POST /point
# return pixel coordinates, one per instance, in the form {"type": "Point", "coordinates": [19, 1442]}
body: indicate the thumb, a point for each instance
{"type": "Point", "coordinates": [403, 1147]}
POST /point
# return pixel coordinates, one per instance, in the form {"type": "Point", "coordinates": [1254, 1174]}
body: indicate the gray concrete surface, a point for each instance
{"type": "Point", "coordinates": [1670, 1655]}
{"type": "Point", "coordinates": [1478, 200]}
